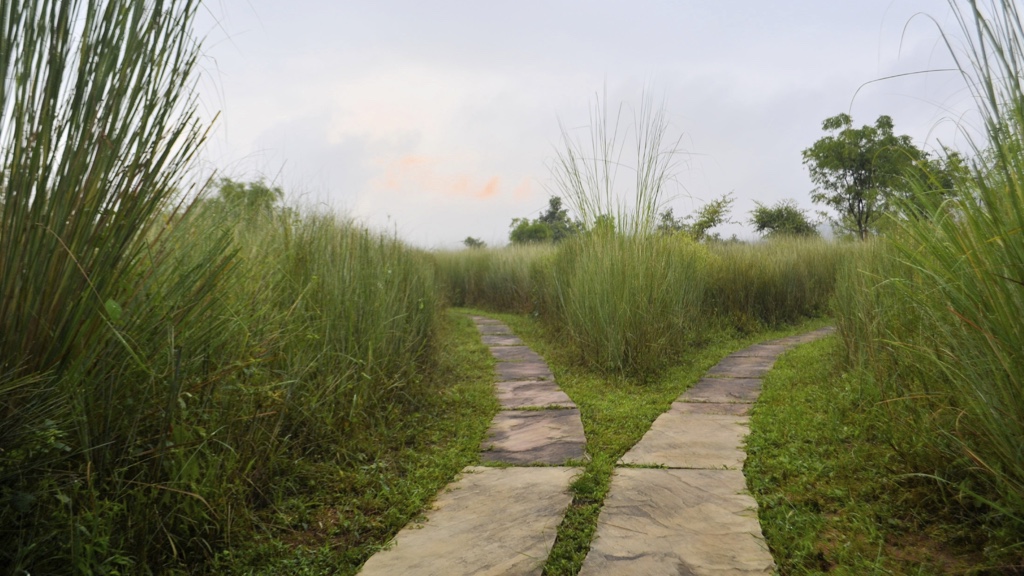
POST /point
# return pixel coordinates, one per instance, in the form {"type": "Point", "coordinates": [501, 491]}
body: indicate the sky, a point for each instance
{"type": "Point", "coordinates": [437, 120]}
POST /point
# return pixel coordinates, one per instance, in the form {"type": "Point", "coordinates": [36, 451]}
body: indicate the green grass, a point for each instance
{"type": "Point", "coordinates": [835, 494]}
{"type": "Point", "coordinates": [616, 412]}
{"type": "Point", "coordinates": [503, 279]}
{"type": "Point", "coordinates": [932, 311]}
{"type": "Point", "coordinates": [332, 516]}
{"type": "Point", "coordinates": [628, 303]}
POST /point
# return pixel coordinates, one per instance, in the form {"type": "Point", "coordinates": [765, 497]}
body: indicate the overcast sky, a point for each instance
{"type": "Point", "coordinates": [438, 119]}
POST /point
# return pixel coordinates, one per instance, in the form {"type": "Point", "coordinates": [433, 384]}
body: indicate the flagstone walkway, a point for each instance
{"type": "Point", "coordinates": [497, 521]}
{"type": "Point", "coordinates": [692, 514]}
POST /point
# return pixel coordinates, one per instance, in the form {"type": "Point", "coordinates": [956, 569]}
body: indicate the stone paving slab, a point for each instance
{"type": "Point", "coordinates": [532, 394]}
{"type": "Point", "coordinates": [501, 340]}
{"type": "Point", "coordinates": [678, 522]}
{"type": "Point", "coordinates": [494, 329]}
{"type": "Point", "coordinates": [523, 371]}
{"type": "Point", "coordinates": [485, 320]}
{"type": "Point", "coordinates": [515, 354]}
{"type": "Point", "coordinates": [765, 350]}
{"type": "Point", "coordinates": [720, 408]}
{"type": "Point", "coordinates": [680, 438]}
{"type": "Point", "coordinates": [535, 437]}
{"type": "Point", "coordinates": [492, 521]}
{"type": "Point", "coordinates": [724, 390]}
{"type": "Point", "coordinates": [804, 338]}
{"type": "Point", "coordinates": [742, 367]}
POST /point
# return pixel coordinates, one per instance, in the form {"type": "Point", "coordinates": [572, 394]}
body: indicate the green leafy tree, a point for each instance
{"type": "Point", "coordinates": [471, 242]}
{"type": "Point", "coordinates": [251, 197]}
{"type": "Point", "coordinates": [669, 224]}
{"type": "Point", "coordinates": [785, 218]}
{"type": "Point", "coordinates": [554, 225]}
{"type": "Point", "coordinates": [700, 223]}
{"type": "Point", "coordinates": [557, 218]}
{"type": "Point", "coordinates": [526, 232]}
{"type": "Point", "coordinates": [860, 171]}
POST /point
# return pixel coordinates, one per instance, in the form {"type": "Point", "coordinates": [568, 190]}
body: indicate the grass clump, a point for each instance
{"type": "Point", "coordinates": [628, 303]}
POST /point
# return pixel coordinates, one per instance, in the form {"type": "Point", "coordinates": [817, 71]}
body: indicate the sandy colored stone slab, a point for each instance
{"type": "Point", "coordinates": [724, 390]}
{"type": "Point", "coordinates": [804, 338]}
{"type": "Point", "coordinates": [532, 394]}
{"type": "Point", "coordinates": [682, 439]}
{"type": "Point", "coordinates": [678, 522]}
{"type": "Point", "coordinates": [764, 350]}
{"type": "Point", "coordinates": [742, 367]}
{"type": "Point", "coordinates": [501, 340]}
{"type": "Point", "coordinates": [523, 371]}
{"type": "Point", "coordinates": [492, 521]}
{"type": "Point", "coordinates": [720, 408]}
{"type": "Point", "coordinates": [485, 320]}
{"type": "Point", "coordinates": [535, 437]}
{"type": "Point", "coordinates": [494, 329]}
{"type": "Point", "coordinates": [515, 354]}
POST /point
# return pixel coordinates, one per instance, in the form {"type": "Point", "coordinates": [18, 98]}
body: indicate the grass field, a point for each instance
{"type": "Point", "coordinates": [192, 384]}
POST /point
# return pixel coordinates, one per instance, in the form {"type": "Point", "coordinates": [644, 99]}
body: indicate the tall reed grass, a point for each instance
{"type": "Point", "coordinates": [935, 313]}
{"type": "Point", "coordinates": [162, 363]}
{"type": "Point", "coordinates": [770, 283]}
{"type": "Point", "coordinates": [630, 303]}
{"type": "Point", "coordinates": [507, 279]}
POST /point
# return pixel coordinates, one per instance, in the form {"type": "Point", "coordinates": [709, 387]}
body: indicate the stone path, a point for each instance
{"type": "Point", "coordinates": [497, 521]}
{"type": "Point", "coordinates": [693, 515]}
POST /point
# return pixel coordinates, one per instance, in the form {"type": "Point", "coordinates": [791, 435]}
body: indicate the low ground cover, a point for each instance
{"type": "Point", "coordinates": [838, 493]}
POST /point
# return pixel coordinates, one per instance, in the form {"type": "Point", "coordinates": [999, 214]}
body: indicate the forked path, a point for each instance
{"type": "Point", "coordinates": [692, 516]}
{"type": "Point", "coordinates": [500, 520]}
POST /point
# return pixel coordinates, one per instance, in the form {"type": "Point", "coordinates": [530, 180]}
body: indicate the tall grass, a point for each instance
{"type": "Point", "coordinates": [587, 173]}
{"type": "Point", "coordinates": [501, 279]}
{"type": "Point", "coordinates": [96, 124]}
{"type": "Point", "coordinates": [163, 364]}
{"type": "Point", "coordinates": [630, 303]}
{"type": "Point", "coordinates": [771, 283]}
{"type": "Point", "coordinates": [935, 313]}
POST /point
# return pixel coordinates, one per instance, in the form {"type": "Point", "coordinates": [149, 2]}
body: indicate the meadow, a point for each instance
{"type": "Point", "coordinates": [194, 384]}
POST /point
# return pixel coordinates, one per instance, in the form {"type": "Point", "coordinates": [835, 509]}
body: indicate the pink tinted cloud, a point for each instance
{"type": "Point", "coordinates": [490, 189]}
{"type": "Point", "coordinates": [422, 174]}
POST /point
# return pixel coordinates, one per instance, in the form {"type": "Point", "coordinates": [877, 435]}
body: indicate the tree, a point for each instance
{"type": "Point", "coordinates": [526, 232]}
{"type": "Point", "coordinates": [859, 171]}
{"type": "Point", "coordinates": [782, 219]}
{"type": "Point", "coordinates": [698, 224]}
{"type": "Point", "coordinates": [472, 242]}
{"type": "Point", "coordinates": [554, 225]}
{"type": "Point", "coordinates": [250, 197]}
{"type": "Point", "coordinates": [557, 218]}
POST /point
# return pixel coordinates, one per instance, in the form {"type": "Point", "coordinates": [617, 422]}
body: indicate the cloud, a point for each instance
{"type": "Point", "coordinates": [423, 176]}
